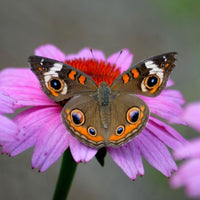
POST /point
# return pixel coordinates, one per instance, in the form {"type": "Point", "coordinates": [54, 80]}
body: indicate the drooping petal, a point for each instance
{"type": "Point", "coordinates": [191, 115]}
{"type": "Point", "coordinates": [188, 175]}
{"type": "Point", "coordinates": [122, 59]}
{"type": "Point", "coordinates": [50, 51]}
{"type": "Point", "coordinates": [170, 105]}
{"type": "Point", "coordinates": [8, 129]}
{"type": "Point", "coordinates": [30, 123]}
{"type": "Point", "coordinates": [170, 83]}
{"type": "Point", "coordinates": [165, 133]}
{"type": "Point", "coordinates": [50, 144]}
{"type": "Point", "coordinates": [128, 158]}
{"type": "Point", "coordinates": [155, 152]}
{"type": "Point", "coordinates": [22, 85]}
{"type": "Point", "coordinates": [6, 103]}
{"type": "Point", "coordinates": [191, 149]}
{"type": "Point", "coordinates": [86, 53]}
{"type": "Point", "coordinates": [81, 152]}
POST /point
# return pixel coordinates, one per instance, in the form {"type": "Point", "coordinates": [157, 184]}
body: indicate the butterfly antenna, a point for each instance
{"type": "Point", "coordinates": [113, 65]}
{"type": "Point", "coordinates": [95, 60]}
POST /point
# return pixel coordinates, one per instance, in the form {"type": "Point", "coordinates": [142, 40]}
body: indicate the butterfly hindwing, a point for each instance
{"type": "Point", "coordinates": [102, 126]}
{"type": "Point", "coordinates": [81, 116]}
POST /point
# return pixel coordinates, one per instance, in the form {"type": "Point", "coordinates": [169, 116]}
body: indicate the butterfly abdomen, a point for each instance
{"type": "Point", "coordinates": [104, 100]}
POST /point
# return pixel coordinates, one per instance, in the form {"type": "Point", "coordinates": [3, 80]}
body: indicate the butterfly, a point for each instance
{"type": "Point", "coordinates": [102, 115]}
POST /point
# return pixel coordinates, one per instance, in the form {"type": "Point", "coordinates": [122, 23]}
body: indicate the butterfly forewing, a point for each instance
{"type": "Point", "coordinates": [60, 81]}
{"type": "Point", "coordinates": [146, 78]}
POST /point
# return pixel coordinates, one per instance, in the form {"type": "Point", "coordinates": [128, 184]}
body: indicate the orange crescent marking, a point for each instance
{"type": "Point", "coordinates": [40, 69]}
{"type": "Point", "coordinates": [135, 73]}
{"type": "Point", "coordinates": [53, 93]}
{"type": "Point", "coordinates": [142, 108]}
{"type": "Point", "coordinates": [125, 78]}
{"type": "Point", "coordinates": [128, 129]}
{"type": "Point", "coordinates": [82, 79]}
{"type": "Point", "coordinates": [72, 74]}
{"type": "Point", "coordinates": [167, 65]}
{"type": "Point", "coordinates": [82, 130]}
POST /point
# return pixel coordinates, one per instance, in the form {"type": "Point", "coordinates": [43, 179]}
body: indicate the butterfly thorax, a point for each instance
{"type": "Point", "coordinates": [104, 94]}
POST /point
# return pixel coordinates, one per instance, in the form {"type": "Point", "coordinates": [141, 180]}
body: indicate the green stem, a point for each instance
{"type": "Point", "coordinates": [67, 171]}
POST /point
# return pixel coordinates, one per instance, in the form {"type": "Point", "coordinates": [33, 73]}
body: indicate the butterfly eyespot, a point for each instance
{"type": "Point", "coordinates": [162, 65]}
{"type": "Point", "coordinates": [133, 115]}
{"type": "Point", "coordinates": [119, 130]}
{"type": "Point", "coordinates": [56, 84]}
{"type": "Point", "coordinates": [92, 131]}
{"type": "Point", "coordinates": [77, 117]}
{"type": "Point", "coordinates": [151, 81]}
{"type": "Point", "coordinates": [43, 68]}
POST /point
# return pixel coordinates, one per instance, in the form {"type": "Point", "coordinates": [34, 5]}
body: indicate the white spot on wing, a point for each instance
{"type": "Point", "coordinates": [154, 69]}
{"type": "Point", "coordinates": [64, 91]}
{"type": "Point", "coordinates": [144, 89]}
{"type": "Point", "coordinates": [53, 72]}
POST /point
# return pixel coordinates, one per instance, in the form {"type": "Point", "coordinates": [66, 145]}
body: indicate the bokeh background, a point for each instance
{"type": "Point", "coordinates": [146, 28]}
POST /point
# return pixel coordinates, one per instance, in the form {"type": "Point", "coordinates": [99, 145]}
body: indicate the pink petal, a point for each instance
{"type": "Point", "coordinates": [87, 54]}
{"type": "Point", "coordinates": [8, 129]}
{"type": "Point", "coordinates": [188, 175]}
{"type": "Point", "coordinates": [191, 115]}
{"type": "Point", "coordinates": [50, 144]}
{"type": "Point", "coordinates": [170, 105]}
{"type": "Point", "coordinates": [165, 133]}
{"type": "Point", "coordinates": [50, 51]}
{"type": "Point", "coordinates": [23, 87]}
{"type": "Point", "coordinates": [122, 59]}
{"type": "Point", "coordinates": [189, 150]}
{"type": "Point", "coordinates": [170, 83]}
{"type": "Point", "coordinates": [155, 152]}
{"type": "Point", "coordinates": [128, 158]}
{"type": "Point", "coordinates": [6, 103]}
{"type": "Point", "coordinates": [81, 152]}
{"type": "Point", "coordinates": [30, 123]}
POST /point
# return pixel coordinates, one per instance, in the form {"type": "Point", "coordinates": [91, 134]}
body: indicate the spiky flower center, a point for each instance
{"type": "Point", "coordinates": [99, 71]}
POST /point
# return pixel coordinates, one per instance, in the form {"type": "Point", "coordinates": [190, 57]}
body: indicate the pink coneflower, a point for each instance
{"type": "Point", "coordinates": [8, 129]}
{"type": "Point", "coordinates": [189, 173]}
{"type": "Point", "coordinates": [41, 125]}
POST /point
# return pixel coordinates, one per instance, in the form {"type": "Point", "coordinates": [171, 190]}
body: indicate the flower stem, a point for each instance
{"type": "Point", "coordinates": [67, 171]}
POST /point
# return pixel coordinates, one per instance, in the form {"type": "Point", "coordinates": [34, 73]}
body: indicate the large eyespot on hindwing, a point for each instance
{"type": "Point", "coordinates": [77, 117]}
{"type": "Point", "coordinates": [133, 115]}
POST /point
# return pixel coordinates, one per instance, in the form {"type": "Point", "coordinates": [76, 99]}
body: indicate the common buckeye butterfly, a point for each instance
{"type": "Point", "coordinates": [103, 115]}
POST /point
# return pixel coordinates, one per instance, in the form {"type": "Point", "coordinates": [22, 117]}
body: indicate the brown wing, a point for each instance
{"type": "Point", "coordinates": [81, 116]}
{"type": "Point", "coordinates": [60, 81]}
{"type": "Point", "coordinates": [114, 125]}
{"type": "Point", "coordinates": [146, 78]}
{"type": "Point", "coordinates": [129, 117]}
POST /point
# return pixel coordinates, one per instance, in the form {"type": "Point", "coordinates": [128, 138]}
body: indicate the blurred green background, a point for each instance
{"type": "Point", "coordinates": [146, 28]}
